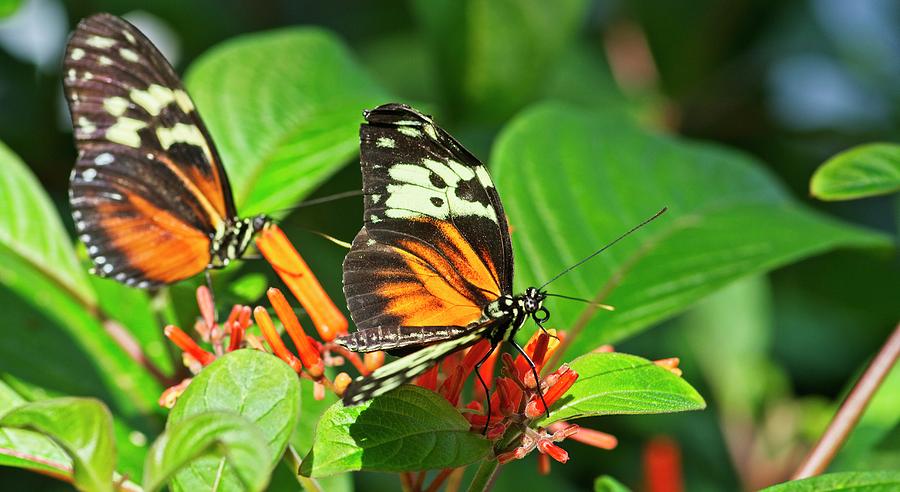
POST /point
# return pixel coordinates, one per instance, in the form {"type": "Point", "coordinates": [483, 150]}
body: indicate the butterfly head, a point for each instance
{"type": "Point", "coordinates": [234, 237]}
{"type": "Point", "coordinates": [532, 302]}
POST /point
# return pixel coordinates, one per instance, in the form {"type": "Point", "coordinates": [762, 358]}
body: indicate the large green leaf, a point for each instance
{"type": "Point", "coordinates": [405, 430]}
{"type": "Point", "coordinates": [217, 436]}
{"type": "Point", "coordinates": [255, 385]}
{"type": "Point", "coordinates": [616, 384]}
{"type": "Point", "coordinates": [867, 170]}
{"type": "Point", "coordinates": [82, 427]}
{"type": "Point", "coordinates": [38, 263]}
{"type": "Point", "coordinates": [496, 55]}
{"type": "Point", "coordinates": [31, 230]}
{"type": "Point", "coordinates": [9, 7]}
{"type": "Point", "coordinates": [284, 108]}
{"type": "Point", "coordinates": [28, 449]}
{"type": "Point", "coordinates": [572, 180]}
{"type": "Point", "coordinates": [878, 481]}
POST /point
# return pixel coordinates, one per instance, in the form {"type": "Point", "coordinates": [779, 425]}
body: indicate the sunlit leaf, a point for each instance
{"type": "Point", "coordinates": [607, 483]}
{"type": "Point", "coordinates": [82, 427]}
{"type": "Point", "coordinates": [615, 384]}
{"type": "Point", "coordinates": [214, 435]}
{"type": "Point", "coordinates": [255, 385]}
{"type": "Point", "coordinates": [572, 180]}
{"type": "Point", "coordinates": [404, 430]}
{"type": "Point", "coordinates": [878, 481]}
{"type": "Point", "coordinates": [867, 170]}
{"type": "Point", "coordinates": [284, 109]}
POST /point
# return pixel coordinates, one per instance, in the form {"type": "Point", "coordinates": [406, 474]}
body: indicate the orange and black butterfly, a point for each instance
{"type": "Point", "coordinates": [150, 197]}
{"type": "Point", "coordinates": [431, 271]}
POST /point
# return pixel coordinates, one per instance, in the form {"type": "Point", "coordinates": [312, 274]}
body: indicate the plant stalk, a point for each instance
{"type": "Point", "coordinates": [483, 481]}
{"type": "Point", "coordinates": [851, 409]}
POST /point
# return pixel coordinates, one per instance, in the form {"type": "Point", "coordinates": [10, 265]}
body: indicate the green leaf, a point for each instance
{"type": "Point", "coordinates": [408, 429]}
{"type": "Point", "coordinates": [284, 108]}
{"type": "Point", "coordinates": [80, 426]}
{"type": "Point", "coordinates": [45, 248]}
{"type": "Point", "coordinates": [573, 180]}
{"type": "Point", "coordinates": [253, 384]}
{"type": "Point", "coordinates": [866, 170]}
{"type": "Point", "coordinates": [606, 483]}
{"type": "Point", "coordinates": [39, 264]}
{"type": "Point", "coordinates": [214, 435]}
{"type": "Point", "coordinates": [28, 449]}
{"type": "Point", "coordinates": [878, 481]}
{"type": "Point", "coordinates": [9, 7]}
{"type": "Point", "coordinates": [496, 55]}
{"type": "Point", "coordinates": [617, 384]}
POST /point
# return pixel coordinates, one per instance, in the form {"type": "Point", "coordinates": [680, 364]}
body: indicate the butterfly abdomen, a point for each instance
{"type": "Point", "coordinates": [392, 337]}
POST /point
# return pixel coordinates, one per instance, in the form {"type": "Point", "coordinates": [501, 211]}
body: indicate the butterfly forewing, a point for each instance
{"type": "Point", "coordinates": [435, 248]}
{"type": "Point", "coordinates": [148, 190]}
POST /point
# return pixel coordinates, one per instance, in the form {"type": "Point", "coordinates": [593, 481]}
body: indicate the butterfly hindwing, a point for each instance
{"type": "Point", "coordinates": [148, 190]}
{"type": "Point", "coordinates": [405, 369]}
{"type": "Point", "coordinates": [435, 248]}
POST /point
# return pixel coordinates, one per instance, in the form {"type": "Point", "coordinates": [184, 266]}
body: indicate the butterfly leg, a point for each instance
{"type": "Point", "coordinates": [487, 391]}
{"type": "Point", "coordinates": [212, 294]}
{"type": "Point", "coordinates": [537, 379]}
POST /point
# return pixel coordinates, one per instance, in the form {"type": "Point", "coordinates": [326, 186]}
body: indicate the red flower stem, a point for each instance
{"type": "Point", "coordinates": [353, 357]}
{"type": "Point", "coordinates": [439, 480]}
{"type": "Point", "coordinates": [851, 410]}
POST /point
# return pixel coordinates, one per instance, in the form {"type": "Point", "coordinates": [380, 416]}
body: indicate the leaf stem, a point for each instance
{"type": "Point", "coordinates": [483, 481]}
{"type": "Point", "coordinates": [851, 409]}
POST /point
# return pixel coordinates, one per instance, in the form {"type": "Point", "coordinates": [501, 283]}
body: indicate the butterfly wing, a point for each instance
{"type": "Point", "coordinates": [435, 248]}
{"type": "Point", "coordinates": [405, 369]}
{"type": "Point", "coordinates": [148, 190]}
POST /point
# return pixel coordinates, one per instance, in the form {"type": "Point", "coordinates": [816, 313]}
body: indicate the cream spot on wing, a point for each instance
{"type": "Point", "coordinates": [86, 125]}
{"type": "Point", "coordinates": [105, 61]}
{"type": "Point", "coordinates": [100, 42]}
{"type": "Point", "coordinates": [410, 132]}
{"type": "Point", "coordinates": [125, 132]}
{"type": "Point", "coordinates": [183, 100]}
{"type": "Point", "coordinates": [129, 55]}
{"type": "Point", "coordinates": [385, 142]}
{"type": "Point", "coordinates": [115, 106]}
{"type": "Point", "coordinates": [154, 99]}
{"type": "Point", "coordinates": [183, 133]}
{"type": "Point", "coordinates": [88, 175]}
{"type": "Point", "coordinates": [77, 54]}
{"type": "Point", "coordinates": [129, 37]}
{"type": "Point", "coordinates": [72, 75]}
{"type": "Point", "coordinates": [429, 129]}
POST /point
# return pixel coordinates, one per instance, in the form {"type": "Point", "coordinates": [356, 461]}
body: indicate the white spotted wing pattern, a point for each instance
{"type": "Point", "coordinates": [150, 198]}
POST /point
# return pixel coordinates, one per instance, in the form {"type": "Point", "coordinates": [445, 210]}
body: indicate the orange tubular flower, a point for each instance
{"type": "Point", "coordinates": [559, 382]}
{"type": "Point", "coordinates": [308, 352]}
{"type": "Point", "coordinates": [271, 335]}
{"type": "Point", "coordinates": [188, 345]}
{"type": "Point", "coordinates": [293, 270]}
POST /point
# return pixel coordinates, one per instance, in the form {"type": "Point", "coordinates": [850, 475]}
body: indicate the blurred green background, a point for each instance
{"type": "Point", "coordinates": [790, 82]}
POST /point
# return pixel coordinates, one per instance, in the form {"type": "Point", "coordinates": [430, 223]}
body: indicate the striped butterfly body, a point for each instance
{"type": "Point", "coordinates": [150, 198]}
{"type": "Point", "coordinates": [431, 270]}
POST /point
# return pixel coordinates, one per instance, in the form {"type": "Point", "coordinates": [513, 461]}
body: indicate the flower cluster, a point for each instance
{"type": "Point", "coordinates": [310, 357]}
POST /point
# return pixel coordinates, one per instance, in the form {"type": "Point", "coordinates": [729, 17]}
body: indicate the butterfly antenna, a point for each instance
{"type": "Point", "coordinates": [586, 301]}
{"type": "Point", "coordinates": [595, 253]}
{"type": "Point", "coordinates": [343, 244]}
{"type": "Point", "coordinates": [321, 200]}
